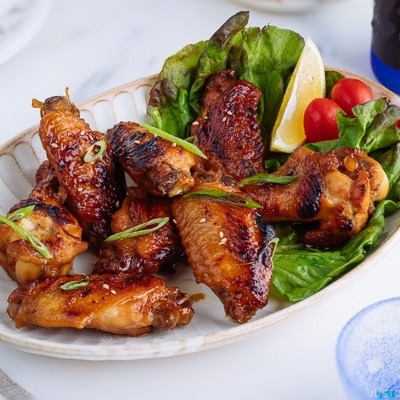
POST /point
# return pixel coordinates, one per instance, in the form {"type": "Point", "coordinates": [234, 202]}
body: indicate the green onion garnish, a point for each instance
{"type": "Point", "coordinates": [33, 240]}
{"type": "Point", "coordinates": [173, 139]}
{"type": "Point", "coordinates": [76, 284]}
{"type": "Point", "coordinates": [274, 241]}
{"type": "Point", "coordinates": [95, 151]}
{"type": "Point", "coordinates": [267, 178]}
{"type": "Point", "coordinates": [223, 197]}
{"type": "Point", "coordinates": [139, 230]}
{"type": "Point", "coordinates": [20, 213]}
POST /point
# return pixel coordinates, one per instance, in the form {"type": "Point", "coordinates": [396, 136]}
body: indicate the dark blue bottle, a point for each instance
{"type": "Point", "coordinates": [385, 48]}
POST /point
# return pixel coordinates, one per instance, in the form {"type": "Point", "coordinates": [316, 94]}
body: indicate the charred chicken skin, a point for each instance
{"type": "Point", "coordinates": [229, 249]}
{"type": "Point", "coordinates": [50, 223]}
{"type": "Point", "coordinates": [114, 303]}
{"type": "Point", "coordinates": [146, 254]}
{"type": "Point", "coordinates": [84, 166]}
{"type": "Point", "coordinates": [227, 129]}
{"type": "Point", "coordinates": [153, 163]}
{"type": "Point", "coordinates": [334, 194]}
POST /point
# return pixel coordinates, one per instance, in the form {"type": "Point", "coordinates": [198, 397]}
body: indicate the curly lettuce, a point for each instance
{"type": "Point", "coordinates": [264, 56]}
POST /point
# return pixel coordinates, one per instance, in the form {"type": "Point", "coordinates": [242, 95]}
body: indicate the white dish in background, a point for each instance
{"type": "Point", "coordinates": [284, 6]}
{"type": "Point", "coordinates": [19, 159]}
{"type": "Point", "coordinates": [19, 22]}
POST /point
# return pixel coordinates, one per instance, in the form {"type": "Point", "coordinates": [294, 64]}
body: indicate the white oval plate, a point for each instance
{"type": "Point", "coordinates": [19, 159]}
{"type": "Point", "coordinates": [20, 20]}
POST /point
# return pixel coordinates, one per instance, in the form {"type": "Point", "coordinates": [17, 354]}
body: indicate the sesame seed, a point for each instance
{"type": "Point", "coordinates": [195, 123]}
{"type": "Point", "coordinates": [202, 220]}
{"type": "Point", "coordinates": [136, 141]}
{"type": "Point", "coordinates": [221, 234]}
{"type": "Point", "coordinates": [229, 112]}
{"type": "Point", "coordinates": [105, 286]}
{"type": "Point", "coordinates": [174, 144]}
{"type": "Point", "coordinates": [54, 145]}
{"type": "Point", "coordinates": [224, 119]}
{"type": "Point", "coordinates": [222, 241]}
{"type": "Point", "coordinates": [113, 291]}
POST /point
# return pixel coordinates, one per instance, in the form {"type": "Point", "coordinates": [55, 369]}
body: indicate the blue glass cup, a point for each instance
{"type": "Point", "coordinates": [368, 352]}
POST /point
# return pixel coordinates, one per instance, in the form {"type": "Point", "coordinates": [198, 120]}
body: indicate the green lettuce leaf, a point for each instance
{"type": "Point", "coordinates": [302, 272]}
{"type": "Point", "coordinates": [266, 57]}
{"type": "Point", "coordinates": [169, 97]}
{"type": "Point", "coordinates": [390, 161]}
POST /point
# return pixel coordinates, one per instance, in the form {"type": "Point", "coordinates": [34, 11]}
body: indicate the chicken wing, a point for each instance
{"type": "Point", "coordinates": [155, 164]}
{"type": "Point", "coordinates": [147, 254]}
{"type": "Point", "coordinates": [114, 303]}
{"type": "Point", "coordinates": [83, 162]}
{"type": "Point", "coordinates": [227, 129]}
{"type": "Point", "coordinates": [334, 194]}
{"type": "Point", "coordinates": [229, 249]}
{"type": "Point", "coordinates": [51, 224]}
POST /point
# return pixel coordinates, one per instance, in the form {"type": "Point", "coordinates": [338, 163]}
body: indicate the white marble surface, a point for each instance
{"type": "Point", "coordinates": [93, 45]}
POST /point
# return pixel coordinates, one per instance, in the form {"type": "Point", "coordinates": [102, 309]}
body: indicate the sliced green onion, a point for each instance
{"type": "Point", "coordinates": [21, 213]}
{"type": "Point", "coordinates": [173, 139]}
{"type": "Point", "coordinates": [223, 197]}
{"type": "Point", "coordinates": [272, 165]}
{"type": "Point", "coordinates": [268, 178]}
{"type": "Point", "coordinates": [95, 151]}
{"type": "Point", "coordinates": [33, 240]}
{"type": "Point", "coordinates": [76, 284]}
{"type": "Point", "coordinates": [139, 230]}
{"type": "Point", "coordinates": [274, 241]}
{"type": "Point", "coordinates": [39, 246]}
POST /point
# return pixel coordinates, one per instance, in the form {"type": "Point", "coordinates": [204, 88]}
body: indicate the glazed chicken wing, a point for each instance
{"type": "Point", "coordinates": [155, 164]}
{"type": "Point", "coordinates": [227, 129]}
{"type": "Point", "coordinates": [229, 249]}
{"type": "Point", "coordinates": [146, 254]}
{"type": "Point", "coordinates": [84, 166]}
{"type": "Point", "coordinates": [334, 193]}
{"type": "Point", "coordinates": [114, 303]}
{"type": "Point", "coordinates": [51, 224]}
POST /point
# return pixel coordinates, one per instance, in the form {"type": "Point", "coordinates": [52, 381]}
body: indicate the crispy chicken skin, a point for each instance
{"type": "Point", "coordinates": [227, 129]}
{"type": "Point", "coordinates": [147, 254]}
{"type": "Point", "coordinates": [94, 187]}
{"type": "Point", "coordinates": [157, 165]}
{"type": "Point", "coordinates": [114, 303]}
{"type": "Point", "coordinates": [228, 248]}
{"type": "Point", "coordinates": [334, 194]}
{"type": "Point", "coordinates": [52, 224]}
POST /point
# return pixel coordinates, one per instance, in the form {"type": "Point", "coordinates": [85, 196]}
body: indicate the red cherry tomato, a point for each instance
{"type": "Point", "coordinates": [320, 120]}
{"type": "Point", "coordinates": [348, 92]}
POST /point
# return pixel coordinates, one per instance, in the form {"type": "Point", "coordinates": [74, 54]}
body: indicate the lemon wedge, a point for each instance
{"type": "Point", "coordinates": [306, 83]}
